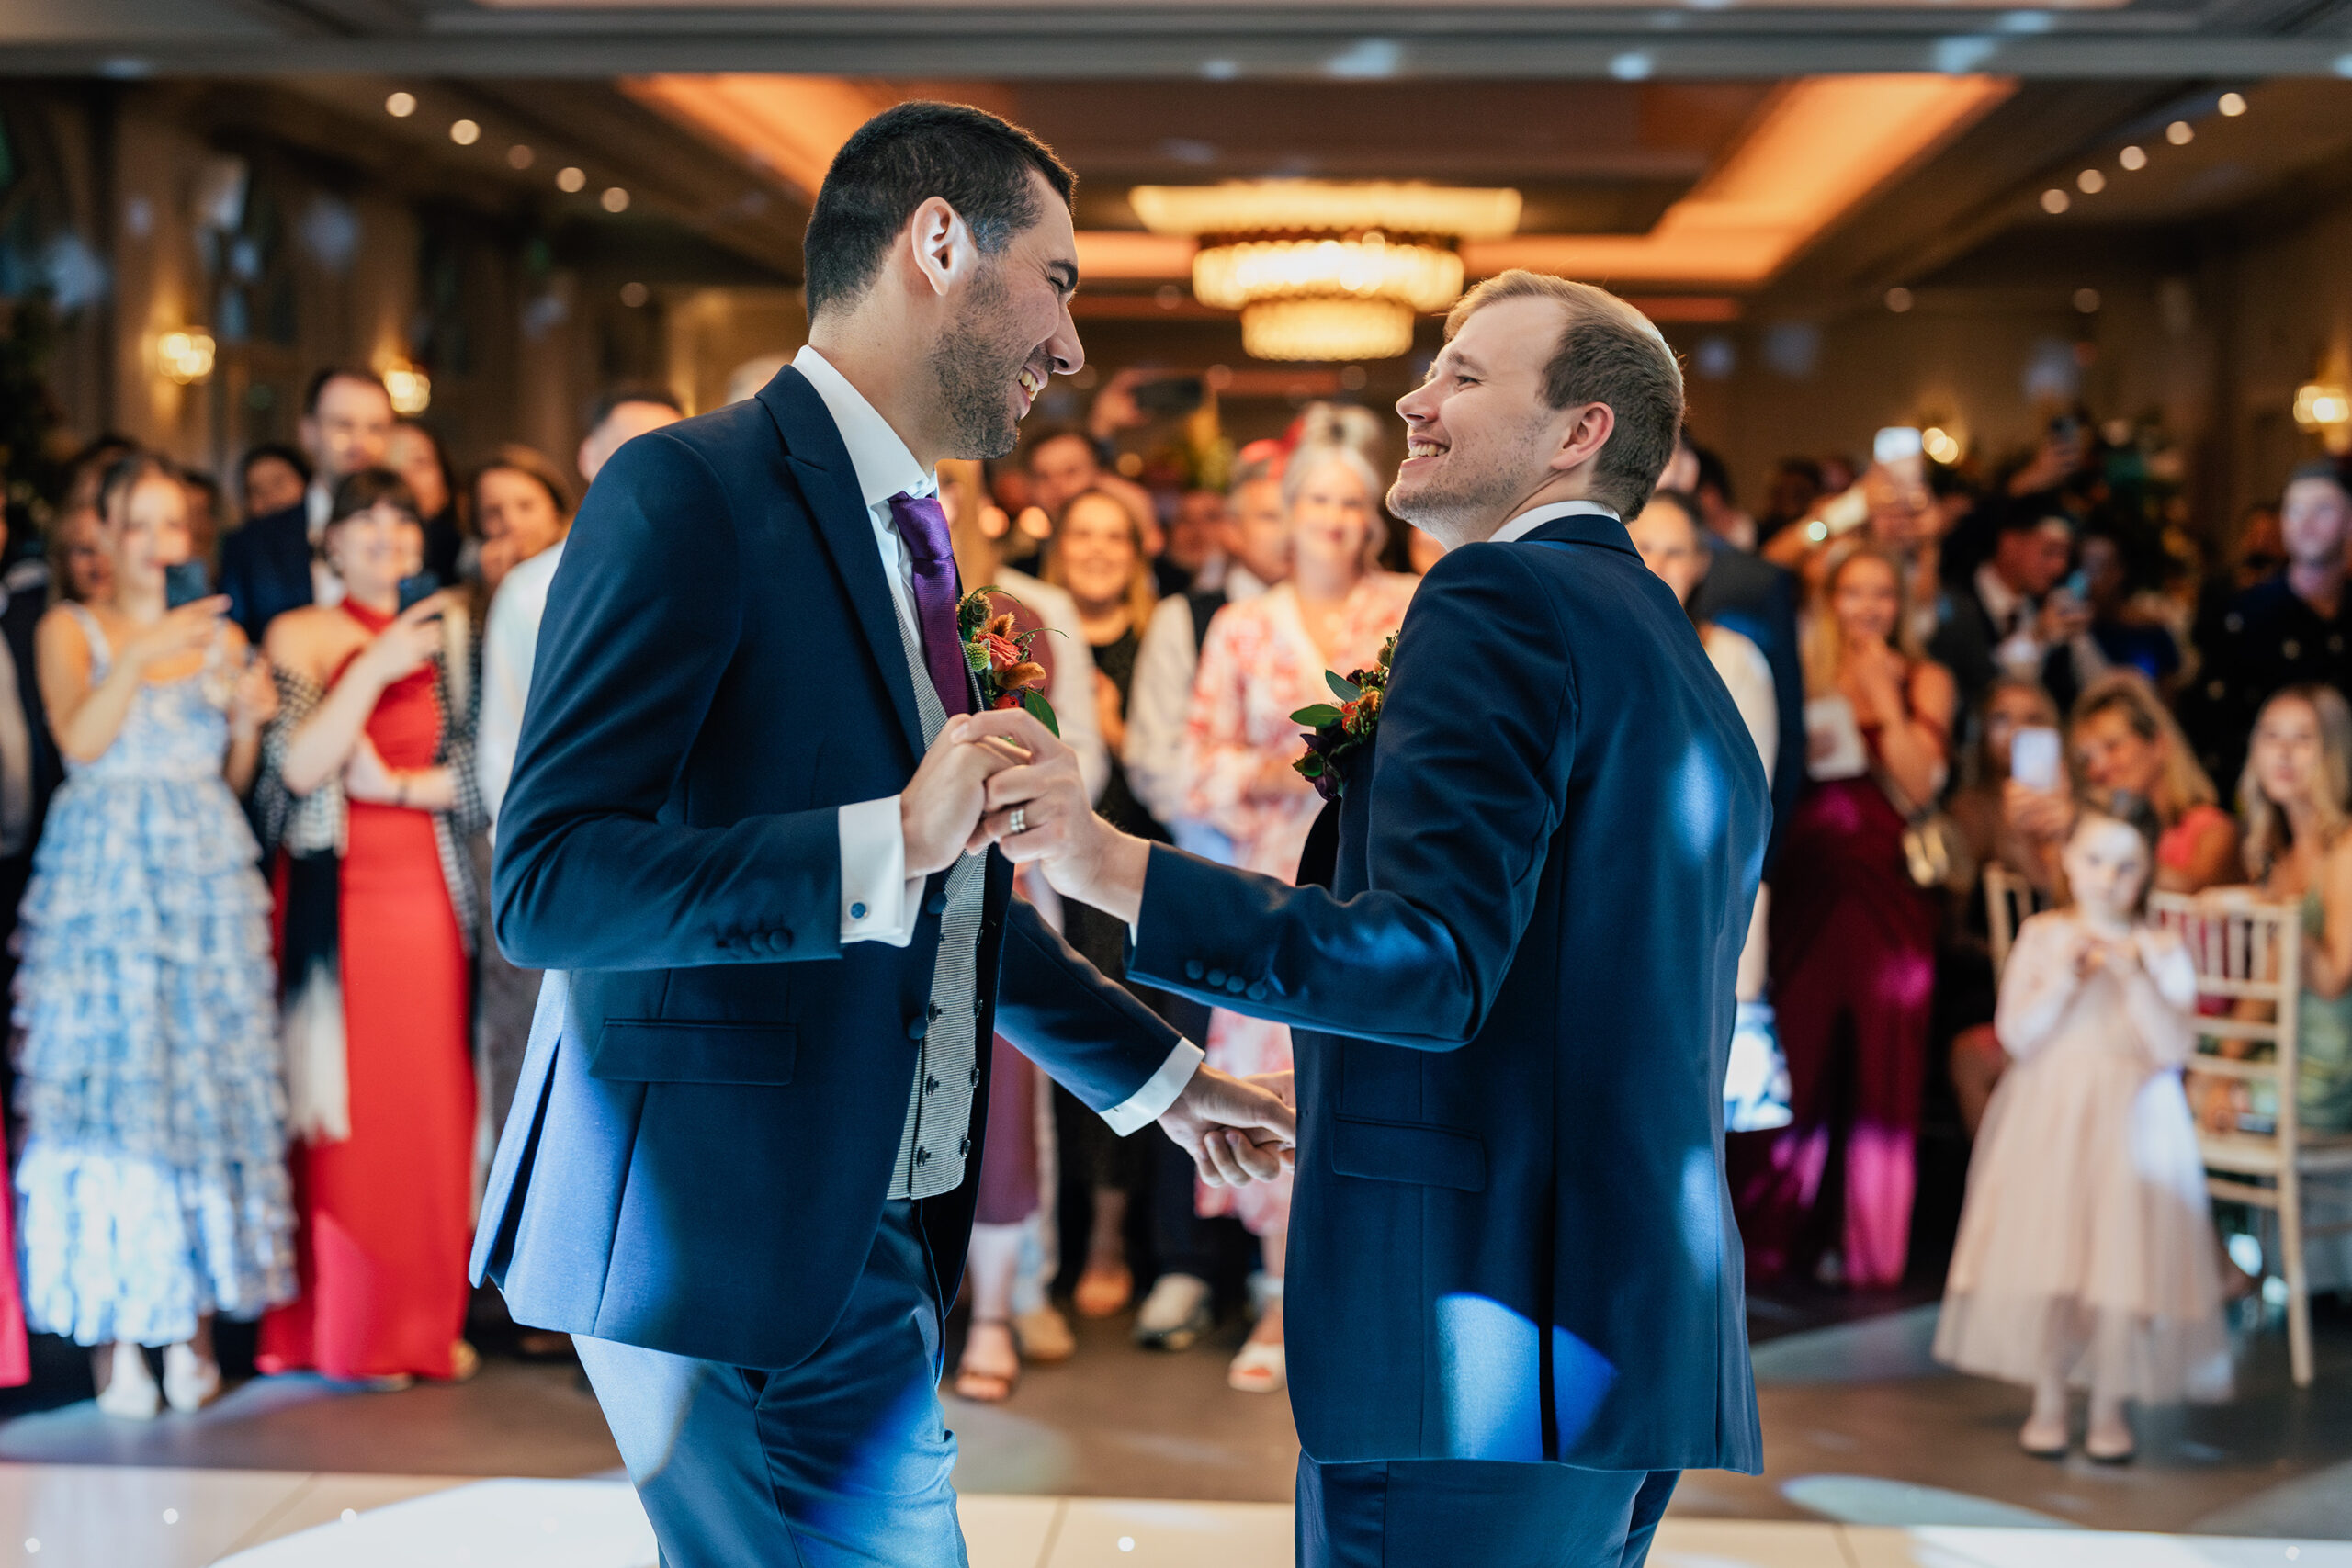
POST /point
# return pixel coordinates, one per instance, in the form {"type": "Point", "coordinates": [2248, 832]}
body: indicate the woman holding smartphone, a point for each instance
{"type": "Point", "coordinates": [367, 788]}
{"type": "Point", "coordinates": [154, 1177]}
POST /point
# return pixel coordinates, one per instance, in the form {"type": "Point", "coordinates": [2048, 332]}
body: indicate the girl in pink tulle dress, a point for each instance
{"type": "Point", "coordinates": [2086, 1254]}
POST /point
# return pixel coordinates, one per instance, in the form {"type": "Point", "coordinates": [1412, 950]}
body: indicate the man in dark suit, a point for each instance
{"type": "Point", "coordinates": [270, 564]}
{"type": "Point", "coordinates": [741, 1165]}
{"type": "Point", "coordinates": [1758, 600]}
{"type": "Point", "coordinates": [1515, 1287]}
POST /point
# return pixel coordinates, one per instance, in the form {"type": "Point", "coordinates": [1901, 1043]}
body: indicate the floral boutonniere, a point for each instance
{"type": "Point", "coordinates": [1337, 734]}
{"type": "Point", "coordinates": [998, 657]}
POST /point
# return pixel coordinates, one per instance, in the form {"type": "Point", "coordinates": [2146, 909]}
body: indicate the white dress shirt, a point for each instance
{"type": "Point", "coordinates": [510, 645]}
{"type": "Point", "coordinates": [317, 505]}
{"type": "Point", "coordinates": [879, 901]}
{"type": "Point", "coordinates": [1527, 521]}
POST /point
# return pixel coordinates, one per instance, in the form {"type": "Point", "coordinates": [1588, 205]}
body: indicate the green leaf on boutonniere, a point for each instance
{"type": "Point", "coordinates": [1347, 690]}
{"type": "Point", "coordinates": [1317, 717]}
{"type": "Point", "coordinates": [1041, 710]}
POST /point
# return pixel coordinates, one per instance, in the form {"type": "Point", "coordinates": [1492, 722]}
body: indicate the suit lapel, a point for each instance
{"type": "Point", "coordinates": [821, 462]}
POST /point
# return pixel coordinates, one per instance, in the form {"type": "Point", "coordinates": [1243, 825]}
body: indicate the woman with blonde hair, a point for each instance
{"type": "Point", "coordinates": [2296, 795]}
{"type": "Point", "coordinates": [1853, 936]}
{"type": "Point", "coordinates": [1264, 660]}
{"type": "Point", "coordinates": [2122, 737]}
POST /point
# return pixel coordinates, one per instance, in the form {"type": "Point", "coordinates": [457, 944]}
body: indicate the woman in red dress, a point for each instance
{"type": "Point", "coordinates": [367, 788]}
{"type": "Point", "coordinates": [1853, 938]}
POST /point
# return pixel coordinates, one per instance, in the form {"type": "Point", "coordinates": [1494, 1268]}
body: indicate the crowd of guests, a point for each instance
{"type": "Point", "coordinates": [249, 775]}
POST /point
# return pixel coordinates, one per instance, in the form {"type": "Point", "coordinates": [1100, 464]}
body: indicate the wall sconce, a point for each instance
{"type": "Point", "coordinates": [412, 388]}
{"type": "Point", "coordinates": [184, 358]}
{"type": "Point", "coordinates": [1941, 445]}
{"type": "Point", "coordinates": [2324, 410]}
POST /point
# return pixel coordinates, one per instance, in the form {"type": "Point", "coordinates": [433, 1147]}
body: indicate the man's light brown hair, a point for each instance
{"type": "Point", "coordinates": [1608, 353]}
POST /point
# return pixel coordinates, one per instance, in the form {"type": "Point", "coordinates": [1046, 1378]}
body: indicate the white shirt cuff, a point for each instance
{"type": "Point", "coordinates": [878, 899]}
{"type": "Point", "coordinates": [1150, 1103]}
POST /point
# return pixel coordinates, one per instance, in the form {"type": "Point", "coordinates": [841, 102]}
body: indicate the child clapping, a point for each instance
{"type": "Point", "coordinates": [2087, 1253]}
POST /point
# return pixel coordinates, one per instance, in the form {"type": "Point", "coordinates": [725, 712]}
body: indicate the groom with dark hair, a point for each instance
{"type": "Point", "coordinates": [741, 1165]}
{"type": "Point", "coordinates": [1515, 1307]}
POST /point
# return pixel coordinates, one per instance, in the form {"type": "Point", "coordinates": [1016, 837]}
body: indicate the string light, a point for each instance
{"type": "Point", "coordinates": [2091, 182]}
{"type": "Point", "coordinates": [1898, 299]}
{"type": "Point", "coordinates": [2054, 202]}
{"type": "Point", "coordinates": [2132, 158]}
{"type": "Point", "coordinates": [2180, 133]}
{"type": "Point", "coordinates": [615, 199]}
{"type": "Point", "coordinates": [2232, 104]}
{"type": "Point", "coordinates": [465, 133]}
{"type": "Point", "coordinates": [572, 181]}
{"type": "Point", "coordinates": [400, 106]}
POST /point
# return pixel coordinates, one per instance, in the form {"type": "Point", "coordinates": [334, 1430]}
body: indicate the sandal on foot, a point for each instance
{"type": "Point", "coordinates": [1104, 1291]}
{"type": "Point", "coordinates": [1258, 1369]}
{"type": "Point", "coordinates": [978, 1384]}
{"type": "Point", "coordinates": [1043, 1335]}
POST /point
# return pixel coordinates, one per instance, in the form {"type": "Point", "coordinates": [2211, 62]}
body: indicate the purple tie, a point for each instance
{"type": "Point", "coordinates": [922, 528]}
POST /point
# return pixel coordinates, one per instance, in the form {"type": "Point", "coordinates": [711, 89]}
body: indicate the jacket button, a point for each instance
{"type": "Point", "coordinates": [916, 1028]}
{"type": "Point", "coordinates": [857, 911]}
{"type": "Point", "coordinates": [1215, 978]}
{"type": "Point", "coordinates": [1191, 968]}
{"type": "Point", "coordinates": [975, 1074]}
{"type": "Point", "coordinates": [932, 1011]}
{"type": "Point", "coordinates": [1235, 985]}
{"type": "Point", "coordinates": [921, 1155]}
{"type": "Point", "coordinates": [929, 1085]}
{"type": "Point", "coordinates": [977, 1005]}
{"type": "Point", "coordinates": [1256, 993]}
{"type": "Point", "coordinates": [936, 905]}
{"type": "Point", "coordinates": [964, 1148]}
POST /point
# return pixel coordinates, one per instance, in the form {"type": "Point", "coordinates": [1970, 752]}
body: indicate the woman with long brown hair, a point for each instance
{"type": "Point", "coordinates": [1853, 936]}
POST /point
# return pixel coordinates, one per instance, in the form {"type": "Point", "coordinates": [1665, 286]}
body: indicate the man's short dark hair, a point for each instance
{"type": "Point", "coordinates": [292, 457]}
{"type": "Point", "coordinates": [332, 373]}
{"type": "Point", "coordinates": [363, 491]}
{"type": "Point", "coordinates": [2030, 518]}
{"type": "Point", "coordinates": [901, 158]}
{"type": "Point", "coordinates": [635, 392]}
{"type": "Point", "coordinates": [2334, 470]}
{"type": "Point", "coordinates": [1045, 438]}
{"type": "Point", "coordinates": [1608, 353]}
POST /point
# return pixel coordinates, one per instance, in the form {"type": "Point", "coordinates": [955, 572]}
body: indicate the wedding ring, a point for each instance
{"type": "Point", "coordinates": [1019, 823]}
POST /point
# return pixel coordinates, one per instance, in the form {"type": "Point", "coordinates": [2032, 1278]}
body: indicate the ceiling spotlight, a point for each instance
{"type": "Point", "coordinates": [2091, 182]}
{"type": "Point", "coordinates": [2180, 133]}
{"type": "Point", "coordinates": [520, 157]}
{"type": "Point", "coordinates": [465, 133]}
{"type": "Point", "coordinates": [634, 295]}
{"type": "Point", "coordinates": [400, 106]}
{"type": "Point", "coordinates": [2232, 103]}
{"type": "Point", "coordinates": [2054, 202]}
{"type": "Point", "coordinates": [570, 181]}
{"type": "Point", "coordinates": [2087, 300]}
{"type": "Point", "coordinates": [2132, 158]}
{"type": "Point", "coordinates": [615, 199]}
{"type": "Point", "coordinates": [1898, 299]}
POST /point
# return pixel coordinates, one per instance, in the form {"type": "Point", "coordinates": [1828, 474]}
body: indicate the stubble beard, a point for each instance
{"type": "Point", "coordinates": [1469, 501]}
{"type": "Point", "coordinates": [973, 363]}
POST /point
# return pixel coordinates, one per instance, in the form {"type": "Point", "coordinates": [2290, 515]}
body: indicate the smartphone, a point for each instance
{"type": "Point", "coordinates": [184, 583]}
{"type": "Point", "coordinates": [415, 589]}
{"type": "Point", "coordinates": [2078, 583]}
{"type": "Point", "coordinates": [1895, 442]}
{"type": "Point", "coordinates": [1171, 395]}
{"type": "Point", "coordinates": [2034, 758]}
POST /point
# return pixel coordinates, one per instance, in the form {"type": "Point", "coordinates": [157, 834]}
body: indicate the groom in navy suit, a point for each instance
{"type": "Point", "coordinates": [1515, 1309]}
{"type": "Point", "coordinates": [741, 1165]}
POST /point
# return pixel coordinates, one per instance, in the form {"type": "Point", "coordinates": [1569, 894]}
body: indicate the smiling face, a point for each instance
{"type": "Point", "coordinates": [1096, 547]}
{"type": "Point", "coordinates": [369, 551]}
{"type": "Point", "coordinates": [1331, 519]}
{"type": "Point", "coordinates": [1006, 329]}
{"type": "Point", "coordinates": [2107, 864]}
{"type": "Point", "coordinates": [147, 531]}
{"type": "Point", "coordinates": [514, 511]}
{"type": "Point", "coordinates": [1865, 599]}
{"type": "Point", "coordinates": [1480, 434]}
{"type": "Point", "coordinates": [2111, 754]}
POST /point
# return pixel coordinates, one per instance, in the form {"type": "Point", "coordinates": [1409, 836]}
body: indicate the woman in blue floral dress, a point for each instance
{"type": "Point", "coordinates": [153, 1182]}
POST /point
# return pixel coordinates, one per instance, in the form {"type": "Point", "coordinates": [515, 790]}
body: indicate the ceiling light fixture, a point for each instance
{"type": "Point", "coordinates": [2132, 158]}
{"type": "Point", "coordinates": [411, 389]}
{"type": "Point", "coordinates": [2091, 182]}
{"type": "Point", "coordinates": [570, 181]}
{"type": "Point", "coordinates": [2054, 202]}
{"type": "Point", "coordinates": [184, 358]}
{"type": "Point", "coordinates": [400, 106]}
{"type": "Point", "coordinates": [1326, 271]}
{"type": "Point", "coordinates": [2324, 409]}
{"type": "Point", "coordinates": [465, 133]}
{"type": "Point", "coordinates": [2180, 133]}
{"type": "Point", "coordinates": [2232, 104]}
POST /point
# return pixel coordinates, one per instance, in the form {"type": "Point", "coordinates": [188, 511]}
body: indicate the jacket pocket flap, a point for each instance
{"type": "Point", "coordinates": [1406, 1151]}
{"type": "Point", "coordinates": [687, 1051]}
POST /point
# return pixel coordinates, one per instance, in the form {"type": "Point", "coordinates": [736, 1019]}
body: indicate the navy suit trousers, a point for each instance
{"type": "Point", "coordinates": [1407, 1513]}
{"type": "Point", "coordinates": [842, 1460]}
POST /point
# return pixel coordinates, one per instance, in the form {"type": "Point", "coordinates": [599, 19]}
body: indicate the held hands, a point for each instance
{"type": "Point", "coordinates": [1039, 810]}
{"type": "Point", "coordinates": [1236, 1132]}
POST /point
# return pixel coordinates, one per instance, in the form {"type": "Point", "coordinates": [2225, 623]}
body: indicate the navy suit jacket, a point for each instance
{"type": "Point", "coordinates": [1511, 1237]}
{"type": "Point", "coordinates": [710, 1105]}
{"type": "Point", "coordinates": [266, 568]}
{"type": "Point", "coordinates": [1759, 600]}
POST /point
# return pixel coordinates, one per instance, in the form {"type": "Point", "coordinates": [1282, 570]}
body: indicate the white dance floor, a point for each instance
{"type": "Point", "coordinates": [128, 1517]}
